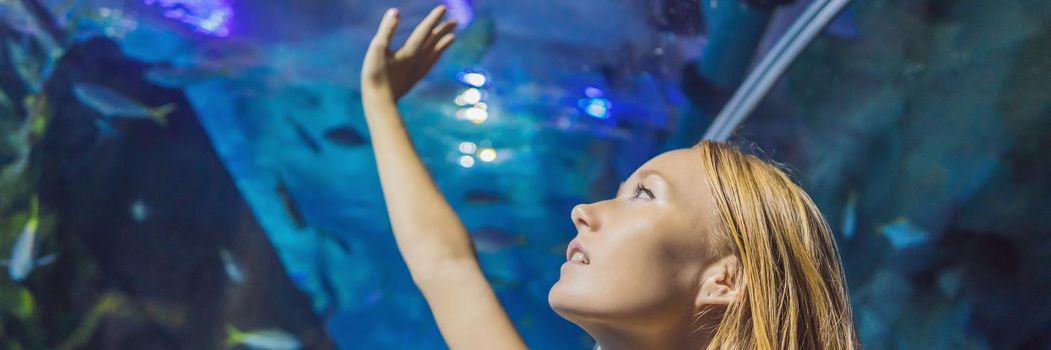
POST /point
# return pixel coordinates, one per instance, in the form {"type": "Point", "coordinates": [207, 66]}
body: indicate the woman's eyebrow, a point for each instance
{"type": "Point", "coordinates": [644, 173]}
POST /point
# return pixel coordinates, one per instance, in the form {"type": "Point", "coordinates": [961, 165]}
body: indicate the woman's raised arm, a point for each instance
{"type": "Point", "coordinates": [432, 239]}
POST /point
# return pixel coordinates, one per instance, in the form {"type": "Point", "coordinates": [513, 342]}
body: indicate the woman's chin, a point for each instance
{"type": "Point", "coordinates": [565, 299]}
{"type": "Point", "coordinates": [556, 297]}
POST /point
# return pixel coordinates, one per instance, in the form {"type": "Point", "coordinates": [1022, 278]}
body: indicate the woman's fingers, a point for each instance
{"type": "Point", "coordinates": [422, 31]}
{"type": "Point", "coordinates": [388, 26]}
{"type": "Point", "coordinates": [445, 28]}
{"type": "Point", "coordinates": [439, 48]}
{"type": "Point", "coordinates": [444, 43]}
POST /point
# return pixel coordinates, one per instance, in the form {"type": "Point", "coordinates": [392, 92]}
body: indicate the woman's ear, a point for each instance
{"type": "Point", "coordinates": [720, 282]}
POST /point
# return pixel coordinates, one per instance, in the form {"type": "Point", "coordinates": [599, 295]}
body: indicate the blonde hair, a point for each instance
{"type": "Point", "coordinates": [794, 292]}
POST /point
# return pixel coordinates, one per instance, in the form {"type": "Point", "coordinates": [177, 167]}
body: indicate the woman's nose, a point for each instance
{"type": "Point", "coordinates": [583, 218]}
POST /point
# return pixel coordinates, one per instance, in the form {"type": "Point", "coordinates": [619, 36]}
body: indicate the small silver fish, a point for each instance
{"type": "Point", "coordinates": [903, 234]}
{"type": "Point", "coordinates": [23, 253]}
{"type": "Point", "coordinates": [230, 266]}
{"type": "Point", "coordinates": [265, 339]}
{"type": "Point", "coordinates": [112, 104]}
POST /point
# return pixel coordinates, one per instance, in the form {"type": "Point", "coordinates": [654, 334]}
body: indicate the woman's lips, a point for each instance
{"type": "Point", "coordinates": [574, 248]}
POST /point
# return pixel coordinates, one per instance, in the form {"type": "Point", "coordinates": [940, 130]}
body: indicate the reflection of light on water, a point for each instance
{"type": "Point", "coordinates": [474, 114]}
{"type": "Point", "coordinates": [211, 17]}
{"type": "Point", "coordinates": [473, 110]}
{"type": "Point", "coordinates": [460, 11]}
{"type": "Point", "coordinates": [596, 107]}
{"type": "Point", "coordinates": [475, 79]}
{"type": "Point", "coordinates": [487, 154]}
{"type": "Point", "coordinates": [466, 161]}
{"type": "Point", "coordinates": [472, 96]}
{"type": "Point", "coordinates": [467, 147]}
{"type": "Point", "coordinates": [469, 97]}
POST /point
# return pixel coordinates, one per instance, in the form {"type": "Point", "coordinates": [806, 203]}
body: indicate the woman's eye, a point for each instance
{"type": "Point", "coordinates": [639, 189]}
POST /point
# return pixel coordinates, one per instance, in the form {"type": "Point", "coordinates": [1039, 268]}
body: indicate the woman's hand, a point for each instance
{"type": "Point", "coordinates": [394, 72]}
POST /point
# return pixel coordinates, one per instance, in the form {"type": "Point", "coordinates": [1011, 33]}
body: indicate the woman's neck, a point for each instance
{"type": "Point", "coordinates": [673, 338]}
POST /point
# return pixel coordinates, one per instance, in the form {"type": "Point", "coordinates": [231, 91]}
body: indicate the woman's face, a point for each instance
{"type": "Point", "coordinates": [645, 248]}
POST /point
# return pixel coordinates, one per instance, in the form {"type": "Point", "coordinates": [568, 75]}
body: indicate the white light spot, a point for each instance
{"type": "Point", "coordinates": [472, 96]}
{"type": "Point", "coordinates": [474, 79]}
{"type": "Point", "coordinates": [467, 147]}
{"type": "Point", "coordinates": [466, 161]}
{"type": "Point", "coordinates": [476, 115]}
{"type": "Point", "coordinates": [487, 154]}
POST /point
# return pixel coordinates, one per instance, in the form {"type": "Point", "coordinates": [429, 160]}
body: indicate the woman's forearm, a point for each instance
{"type": "Point", "coordinates": [427, 230]}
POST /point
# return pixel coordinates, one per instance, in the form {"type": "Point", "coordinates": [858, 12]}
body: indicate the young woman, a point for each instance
{"type": "Point", "coordinates": [702, 248]}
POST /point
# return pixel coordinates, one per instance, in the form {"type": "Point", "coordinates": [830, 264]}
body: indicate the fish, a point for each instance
{"type": "Point", "coordinates": [304, 135]}
{"type": "Point", "coordinates": [264, 339]}
{"type": "Point", "coordinates": [230, 266]}
{"type": "Point", "coordinates": [23, 260]}
{"type": "Point", "coordinates": [112, 104]}
{"type": "Point", "coordinates": [849, 221]}
{"type": "Point", "coordinates": [483, 197]}
{"type": "Point", "coordinates": [345, 136]}
{"type": "Point", "coordinates": [290, 205]}
{"type": "Point", "coordinates": [491, 239]}
{"type": "Point", "coordinates": [903, 234]}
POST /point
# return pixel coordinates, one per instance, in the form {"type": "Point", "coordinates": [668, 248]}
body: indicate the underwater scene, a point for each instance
{"type": "Point", "coordinates": [198, 174]}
